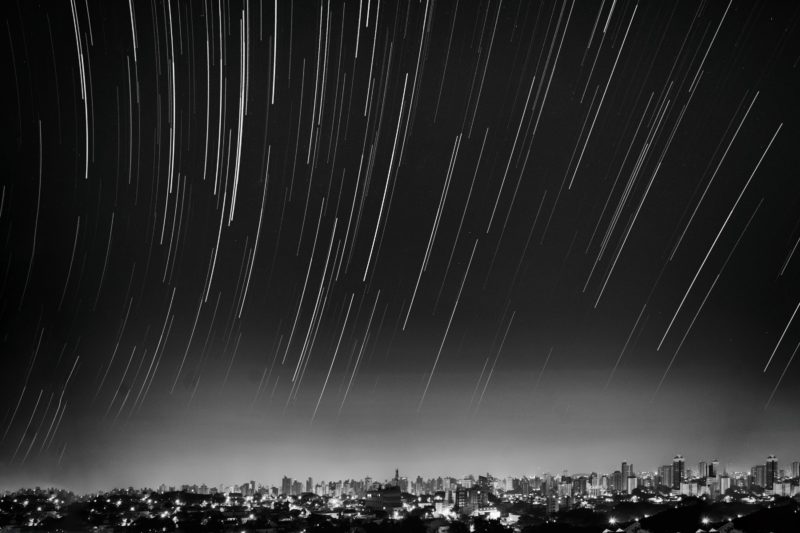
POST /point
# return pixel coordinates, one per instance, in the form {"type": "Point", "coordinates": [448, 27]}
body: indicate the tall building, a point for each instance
{"type": "Point", "coordinates": [724, 483]}
{"type": "Point", "coordinates": [617, 482]}
{"type": "Point", "coordinates": [627, 470]}
{"type": "Point", "coordinates": [678, 471]}
{"type": "Point", "coordinates": [758, 475]}
{"type": "Point", "coordinates": [309, 485]}
{"type": "Point", "coordinates": [713, 468]}
{"type": "Point", "coordinates": [796, 469]}
{"type": "Point", "coordinates": [771, 472]}
{"type": "Point", "coordinates": [665, 475]}
{"type": "Point", "coordinates": [702, 469]}
{"type": "Point", "coordinates": [552, 504]}
{"type": "Point", "coordinates": [286, 485]}
{"type": "Point", "coordinates": [468, 500]}
{"type": "Point", "coordinates": [631, 483]}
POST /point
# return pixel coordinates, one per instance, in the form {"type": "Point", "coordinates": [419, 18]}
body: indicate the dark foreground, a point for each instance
{"type": "Point", "coordinates": [185, 512]}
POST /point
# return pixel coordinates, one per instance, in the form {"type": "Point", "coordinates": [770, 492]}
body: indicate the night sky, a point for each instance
{"type": "Point", "coordinates": [328, 239]}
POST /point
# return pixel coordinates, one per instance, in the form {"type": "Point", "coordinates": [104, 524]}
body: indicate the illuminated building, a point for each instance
{"type": "Point", "coordinates": [783, 488]}
{"type": "Point", "coordinates": [387, 497]}
{"type": "Point", "coordinates": [552, 504]}
{"type": "Point", "coordinates": [689, 489]}
{"type": "Point", "coordinates": [470, 499]}
{"type": "Point", "coordinates": [724, 483]}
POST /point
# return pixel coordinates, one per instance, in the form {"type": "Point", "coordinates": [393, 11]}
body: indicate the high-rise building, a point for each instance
{"type": "Point", "coordinates": [617, 482]}
{"type": "Point", "coordinates": [309, 485]}
{"type": "Point", "coordinates": [678, 471]}
{"type": "Point", "coordinates": [713, 468]}
{"type": "Point", "coordinates": [665, 476]}
{"type": "Point", "coordinates": [631, 483]}
{"type": "Point", "coordinates": [796, 469]}
{"type": "Point", "coordinates": [771, 472]}
{"type": "Point", "coordinates": [702, 469]}
{"type": "Point", "coordinates": [627, 470]}
{"type": "Point", "coordinates": [724, 483]}
{"type": "Point", "coordinates": [468, 500]}
{"type": "Point", "coordinates": [758, 475]}
{"type": "Point", "coordinates": [580, 486]}
{"type": "Point", "coordinates": [286, 485]}
{"type": "Point", "coordinates": [552, 504]}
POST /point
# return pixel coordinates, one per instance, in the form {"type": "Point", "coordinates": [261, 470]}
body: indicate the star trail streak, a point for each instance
{"type": "Point", "coordinates": [243, 234]}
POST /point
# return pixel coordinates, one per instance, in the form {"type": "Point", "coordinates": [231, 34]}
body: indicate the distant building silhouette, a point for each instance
{"type": "Point", "coordinates": [713, 468]}
{"type": "Point", "coordinates": [771, 472]}
{"type": "Point", "coordinates": [678, 471]}
{"type": "Point", "coordinates": [665, 475]}
{"type": "Point", "coordinates": [758, 476]}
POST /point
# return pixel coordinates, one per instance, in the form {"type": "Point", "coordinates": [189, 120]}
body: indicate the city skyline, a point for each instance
{"type": "Point", "coordinates": [790, 469]}
{"type": "Point", "coordinates": [709, 480]}
{"type": "Point", "coordinates": [498, 236]}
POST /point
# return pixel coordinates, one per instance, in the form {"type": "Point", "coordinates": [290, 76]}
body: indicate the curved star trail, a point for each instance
{"type": "Point", "coordinates": [241, 235]}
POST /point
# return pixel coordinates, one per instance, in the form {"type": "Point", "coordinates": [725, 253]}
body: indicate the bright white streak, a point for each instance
{"type": "Point", "coordinates": [388, 179]}
{"type": "Point", "coordinates": [447, 330]}
{"type": "Point", "coordinates": [781, 338]}
{"type": "Point", "coordinates": [721, 229]}
{"type": "Point", "coordinates": [305, 283]}
{"type": "Point", "coordinates": [333, 360]}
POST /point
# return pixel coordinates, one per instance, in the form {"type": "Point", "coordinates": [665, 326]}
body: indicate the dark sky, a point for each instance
{"type": "Point", "coordinates": [331, 238]}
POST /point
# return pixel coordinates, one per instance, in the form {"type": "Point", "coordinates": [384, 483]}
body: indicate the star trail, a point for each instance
{"type": "Point", "coordinates": [349, 234]}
